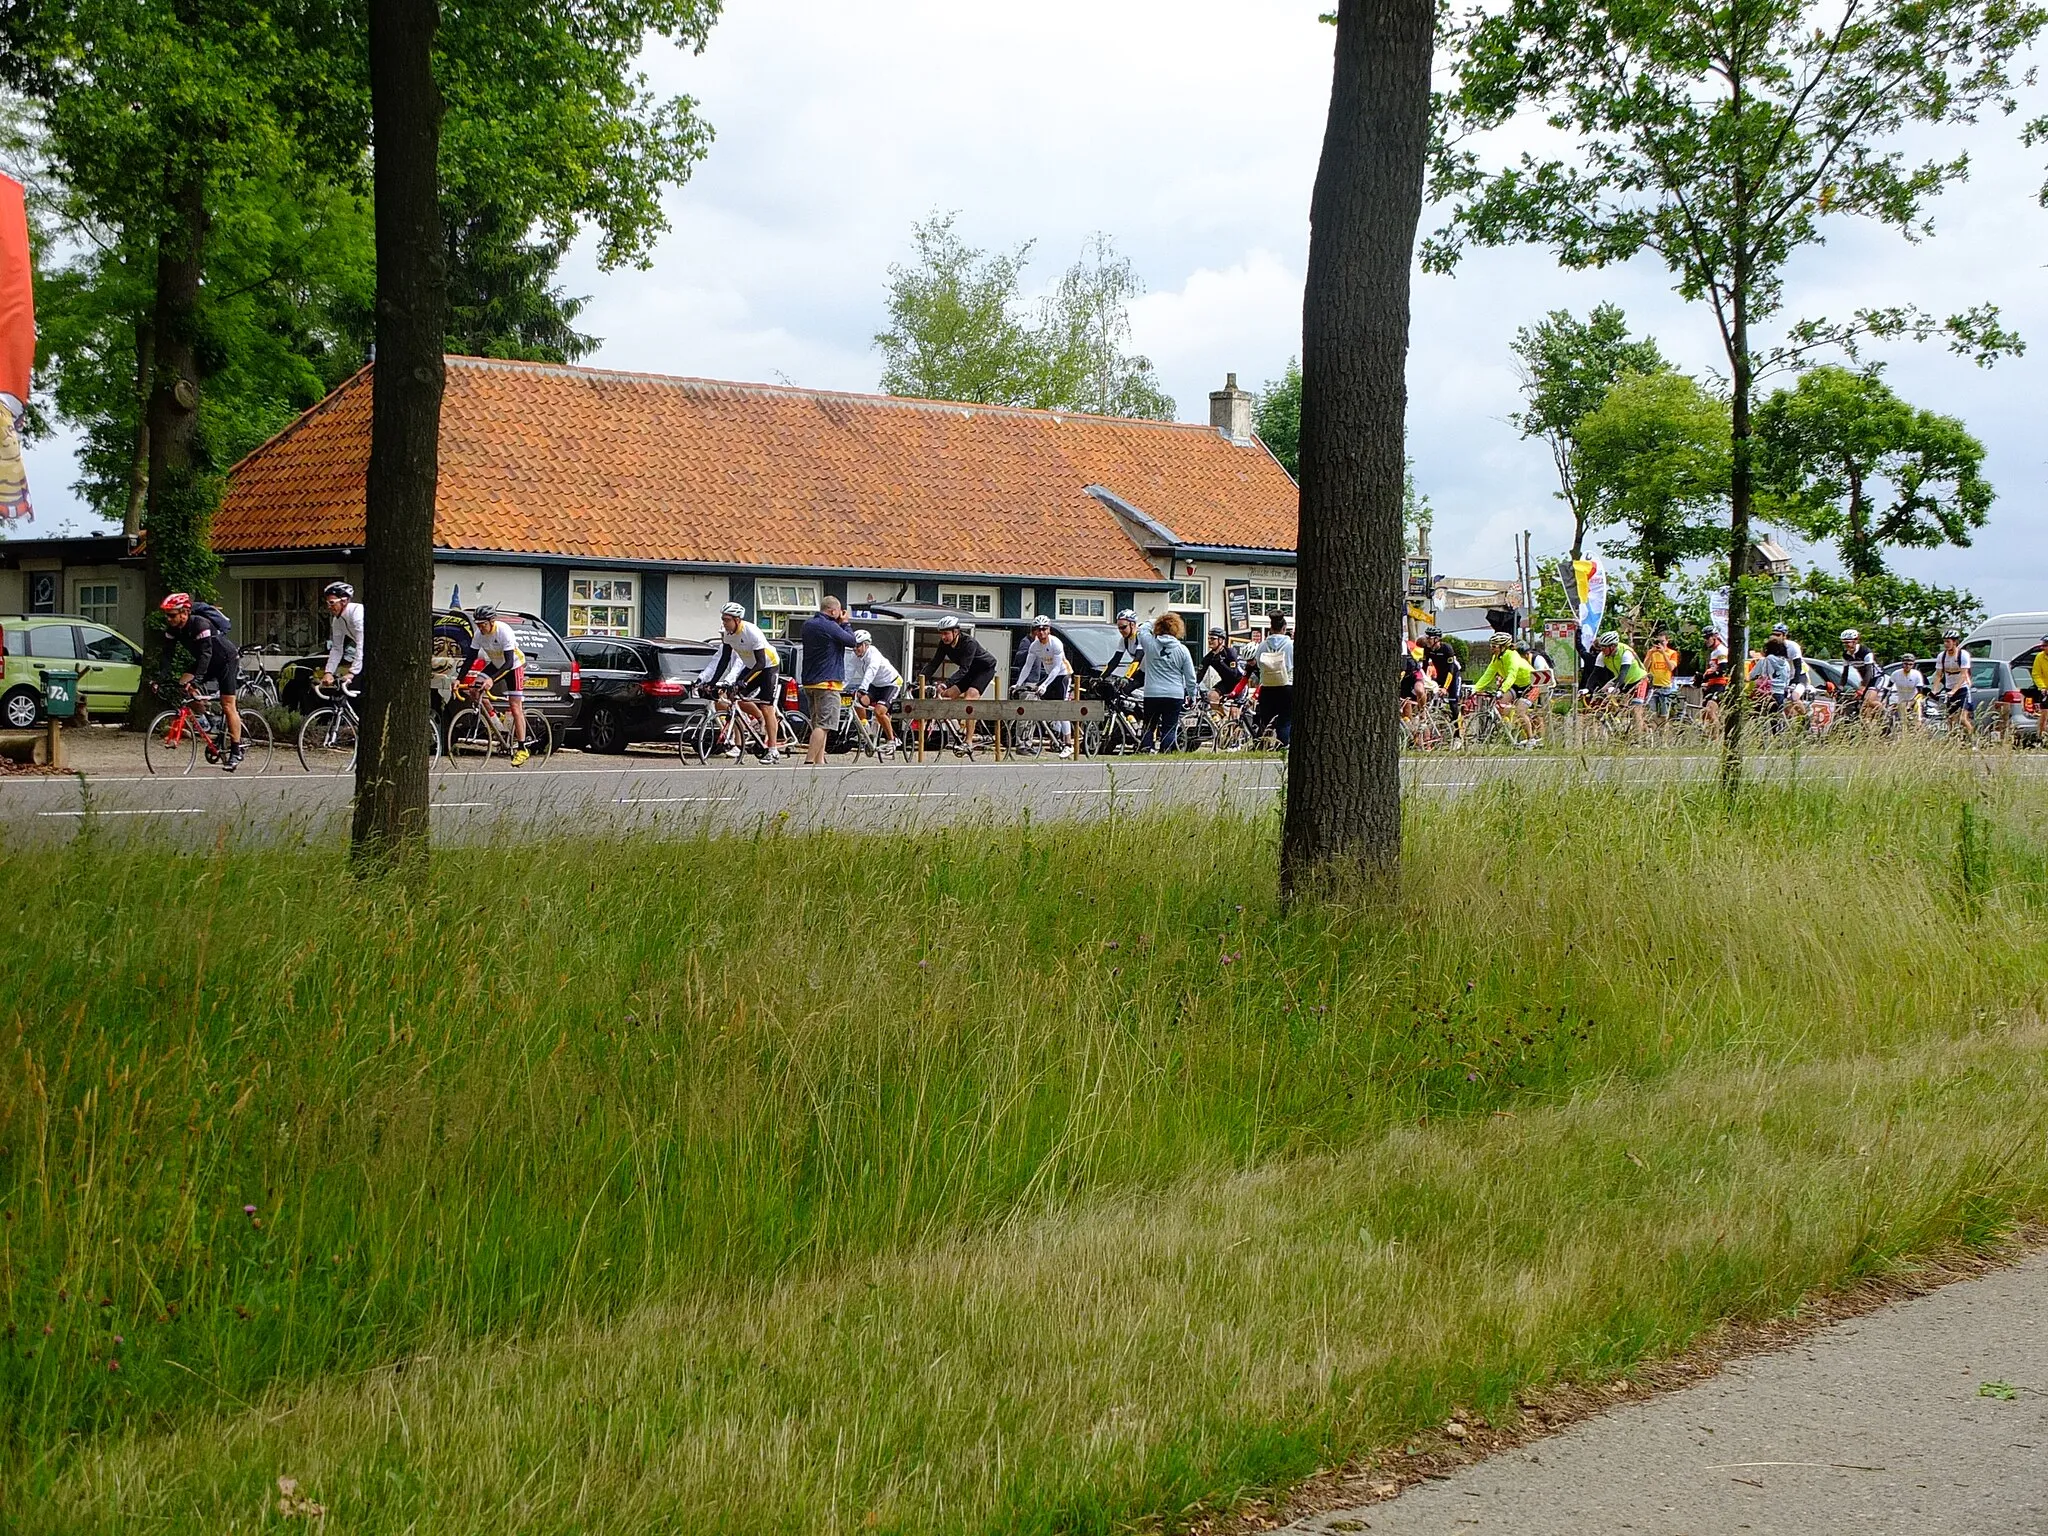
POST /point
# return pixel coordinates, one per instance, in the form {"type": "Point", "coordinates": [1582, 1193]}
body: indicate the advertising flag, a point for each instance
{"type": "Point", "coordinates": [1587, 584]}
{"type": "Point", "coordinates": [17, 345]}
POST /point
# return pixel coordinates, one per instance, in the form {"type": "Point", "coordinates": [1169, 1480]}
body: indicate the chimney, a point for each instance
{"type": "Point", "coordinates": [1230, 412]}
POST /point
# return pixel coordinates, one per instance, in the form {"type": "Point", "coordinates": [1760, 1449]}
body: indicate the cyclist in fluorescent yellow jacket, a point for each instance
{"type": "Point", "coordinates": [1508, 672]}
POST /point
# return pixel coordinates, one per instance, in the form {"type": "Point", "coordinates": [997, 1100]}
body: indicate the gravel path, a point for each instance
{"type": "Point", "coordinates": [1897, 1422]}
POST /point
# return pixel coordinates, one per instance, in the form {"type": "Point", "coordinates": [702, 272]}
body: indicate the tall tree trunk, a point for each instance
{"type": "Point", "coordinates": [182, 492]}
{"type": "Point", "coordinates": [1343, 771]}
{"type": "Point", "coordinates": [405, 434]}
{"type": "Point", "coordinates": [1736, 712]}
{"type": "Point", "coordinates": [1856, 547]}
{"type": "Point", "coordinates": [138, 468]}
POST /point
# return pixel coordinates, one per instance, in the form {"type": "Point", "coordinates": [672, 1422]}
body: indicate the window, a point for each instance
{"type": "Point", "coordinates": [1081, 605]}
{"type": "Point", "coordinates": [105, 645]}
{"type": "Point", "coordinates": [1193, 593]}
{"type": "Point", "coordinates": [285, 611]}
{"type": "Point", "coordinates": [56, 641]}
{"type": "Point", "coordinates": [42, 591]}
{"type": "Point", "coordinates": [1267, 596]}
{"type": "Point", "coordinates": [781, 607]}
{"type": "Point", "coordinates": [973, 600]}
{"type": "Point", "coordinates": [601, 605]}
{"type": "Point", "coordinates": [100, 602]}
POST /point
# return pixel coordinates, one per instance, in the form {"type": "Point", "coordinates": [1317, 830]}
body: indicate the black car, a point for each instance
{"type": "Point", "coordinates": [637, 690]}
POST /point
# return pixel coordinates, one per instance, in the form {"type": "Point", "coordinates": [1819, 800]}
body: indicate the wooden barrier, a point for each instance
{"type": "Point", "coordinates": [971, 712]}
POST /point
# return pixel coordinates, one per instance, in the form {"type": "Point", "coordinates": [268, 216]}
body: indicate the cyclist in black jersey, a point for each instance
{"type": "Point", "coordinates": [973, 668]}
{"type": "Point", "coordinates": [202, 630]}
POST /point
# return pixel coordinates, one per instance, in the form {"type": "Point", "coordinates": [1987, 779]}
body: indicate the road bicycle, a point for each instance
{"type": "Point", "coordinates": [1429, 727]}
{"type": "Point", "coordinates": [1491, 721]}
{"type": "Point", "coordinates": [1040, 738]}
{"type": "Point", "coordinates": [328, 736]}
{"type": "Point", "coordinates": [177, 737]}
{"type": "Point", "coordinates": [861, 733]}
{"type": "Point", "coordinates": [724, 731]}
{"type": "Point", "coordinates": [482, 729]}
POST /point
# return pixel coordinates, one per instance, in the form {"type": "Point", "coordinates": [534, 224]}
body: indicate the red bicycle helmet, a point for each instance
{"type": "Point", "coordinates": [177, 602]}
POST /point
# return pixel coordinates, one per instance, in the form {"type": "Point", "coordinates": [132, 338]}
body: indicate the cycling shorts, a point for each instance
{"type": "Point", "coordinates": [517, 674]}
{"type": "Point", "coordinates": [1958, 703]}
{"type": "Point", "coordinates": [883, 694]}
{"type": "Point", "coordinates": [226, 671]}
{"type": "Point", "coordinates": [758, 683]}
{"type": "Point", "coordinates": [1636, 691]}
{"type": "Point", "coordinates": [975, 679]}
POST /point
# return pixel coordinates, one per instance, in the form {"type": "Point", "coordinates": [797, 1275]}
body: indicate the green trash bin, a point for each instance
{"type": "Point", "coordinates": [60, 694]}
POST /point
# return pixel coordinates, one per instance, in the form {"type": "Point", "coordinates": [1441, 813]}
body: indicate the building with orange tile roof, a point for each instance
{"type": "Point", "coordinates": [612, 502]}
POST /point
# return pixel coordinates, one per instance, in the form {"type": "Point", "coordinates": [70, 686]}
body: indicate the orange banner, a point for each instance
{"type": "Point", "coordinates": [17, 293]}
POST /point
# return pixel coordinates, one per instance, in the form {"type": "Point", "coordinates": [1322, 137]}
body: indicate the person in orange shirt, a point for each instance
{"type": "Point", "coordinates": [1661, 662]}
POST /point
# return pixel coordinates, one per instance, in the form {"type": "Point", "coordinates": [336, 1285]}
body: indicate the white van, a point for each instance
{"type": "Point", "coordinates": [2003, 636]}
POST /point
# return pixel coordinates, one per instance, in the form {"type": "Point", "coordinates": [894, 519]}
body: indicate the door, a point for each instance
{"type": "Point", "coordinates": [112, 669]}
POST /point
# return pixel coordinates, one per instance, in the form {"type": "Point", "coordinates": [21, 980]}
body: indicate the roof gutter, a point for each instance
{"type": "Point", "coordinates": [743, 567]}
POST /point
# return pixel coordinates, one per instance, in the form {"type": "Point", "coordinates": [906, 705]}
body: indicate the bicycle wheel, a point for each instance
{"type": "Point", "coordinates": [695, 737]}
{"type": "Point", "coordinates": [540, 736]}
{"type": "Point", "coordinates": [172, 743]}
{"type": "Point", "coordinates": [471, 738]}
{"type": "Point", "coordinates": [327, 741]}
{"type": "Point", "coordinates": [259, 747]}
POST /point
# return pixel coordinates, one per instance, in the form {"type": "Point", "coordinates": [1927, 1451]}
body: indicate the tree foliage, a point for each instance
{"type": "Point", "coordinates": [1277, 417]}
{"type": "Point", "coordinates": [960, 329]}
{"type": "Point", "coordinates": [1567, 367]}
{"type": "Point", "coordinates": [1720, 138]}
{"type": "Point", "coordinates": [1896, 616]}
{"type": "Point", "coordinates": [1652, 460]}
{"type": "Point", "coordinates": [1830, 447]}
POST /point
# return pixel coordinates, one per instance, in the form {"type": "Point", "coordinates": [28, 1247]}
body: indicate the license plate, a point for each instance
{"type": "Point", "coordinates": [536, 682]}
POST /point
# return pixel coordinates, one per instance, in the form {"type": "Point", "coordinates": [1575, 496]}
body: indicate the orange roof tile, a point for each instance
{"type": "Point", "coordinates": [549, 460]}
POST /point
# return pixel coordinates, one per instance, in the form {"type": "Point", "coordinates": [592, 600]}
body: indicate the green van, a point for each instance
{"type": "Point", "coordinates": [109, 666]}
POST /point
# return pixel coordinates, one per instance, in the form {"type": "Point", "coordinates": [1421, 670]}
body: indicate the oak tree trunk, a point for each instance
{"type": "Point", "coordinates": [1735, 714]}
{"type": "Point", "coordinates": [1343, 815]}
{"type": "Point", "coordinates": [405, 428]}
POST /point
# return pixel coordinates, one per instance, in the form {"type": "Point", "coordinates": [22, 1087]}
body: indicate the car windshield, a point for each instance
{"type": "Point", "coordinates": [1096, 642]}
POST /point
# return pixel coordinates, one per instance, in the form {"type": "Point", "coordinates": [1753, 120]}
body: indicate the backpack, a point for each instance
{"type": "Point", "coordinates": [219, 621]}
{"type": "Point", "coordinates": [1272, 667]}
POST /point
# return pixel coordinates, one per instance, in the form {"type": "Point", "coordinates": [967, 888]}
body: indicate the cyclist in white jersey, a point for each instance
{"type": "Point", "coordinates": [873, 682]}
{"type": "Point", "coordinates": [344, 635]}
{"type": "Point", "coordinates": [1047, 671]}
{"type": "Point", "coordinates": [1952, 679]}
{"type": "Point", "coordinates": [497, 647]}
{"type": "Point", "coordinates": [747, 663]}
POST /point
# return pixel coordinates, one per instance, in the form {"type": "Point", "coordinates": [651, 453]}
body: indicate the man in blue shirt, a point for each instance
{"type": "Point", "coordinates": [826, 640]}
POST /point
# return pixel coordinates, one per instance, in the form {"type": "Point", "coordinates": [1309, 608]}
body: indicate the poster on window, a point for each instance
{"type": "Point", "coordinates": [17, 347]}
{"type": "Point", "coordinates": [1237, 609]}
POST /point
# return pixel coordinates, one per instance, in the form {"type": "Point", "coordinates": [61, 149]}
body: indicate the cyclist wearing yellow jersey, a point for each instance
{"type": "Point", "coordinates": [498, 648]}
{"type": "Point", "coordinates": [1509, 673]}
{"type": "Point", "coordinates": [1626, 675]}
{"type": "Point", "coordinates": [2038, 676]}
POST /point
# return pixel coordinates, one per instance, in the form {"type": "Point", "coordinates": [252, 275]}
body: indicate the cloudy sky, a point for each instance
{"type": "Point", "coordinates": [1188, 130]}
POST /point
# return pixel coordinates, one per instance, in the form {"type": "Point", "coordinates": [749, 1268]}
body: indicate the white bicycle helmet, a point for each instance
{"type": "Point", "coordinates": [733, 611]}
{"type": "Point", "coordinates": [862, 637]}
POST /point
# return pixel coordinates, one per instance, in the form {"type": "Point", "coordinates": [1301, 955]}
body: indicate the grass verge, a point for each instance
{"type": "Point", "coordinates": [1009, 1179]}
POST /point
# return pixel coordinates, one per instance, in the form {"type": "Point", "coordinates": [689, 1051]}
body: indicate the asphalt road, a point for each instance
{"type": "Point", "coordinates": [1876, 1425]}
{"type": "Point", "coordinates": [659, 794]}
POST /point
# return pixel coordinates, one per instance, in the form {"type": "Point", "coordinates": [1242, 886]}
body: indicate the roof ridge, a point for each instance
{"type": "Point", "coordinates": [804, 392]}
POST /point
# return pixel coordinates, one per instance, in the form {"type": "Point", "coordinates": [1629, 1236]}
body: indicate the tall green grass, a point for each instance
{"type": "Point", "coordinates": [270, 1128]}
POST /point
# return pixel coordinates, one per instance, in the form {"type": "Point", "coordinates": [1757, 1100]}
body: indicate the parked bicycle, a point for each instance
{"type": "Point", "coordinates": [328, 736]}
{"type": "Point", "coordinates": [258, 685]}
{"type": "Point", "coordinates": [482, 729]}
{"type": "Point", "coordinates": [197, 725]}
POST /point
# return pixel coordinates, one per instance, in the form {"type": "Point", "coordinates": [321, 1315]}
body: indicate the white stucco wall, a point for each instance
{"type": "Point", "coordinates": [694, 599]}
{"type": "Point", "coordinates": [502, 586]}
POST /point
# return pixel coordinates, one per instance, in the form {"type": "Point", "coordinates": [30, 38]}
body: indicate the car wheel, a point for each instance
{"type": "Point", "coordinates": [21, 709]}
{"type": "Point", "coordinates": [603, 731]}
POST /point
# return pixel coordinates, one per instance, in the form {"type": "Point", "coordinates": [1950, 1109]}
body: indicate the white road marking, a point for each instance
{"type": "Point", "coordinates": [462, 805]}
{"type": "Point", "coordinates": [906, 794]}
{"type": "Point", "coordinates": [183, 810]}
{"type": "Point", "coordinates": [675, 799]}
{"type": "Point", "coordinates": [1122, 791]}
